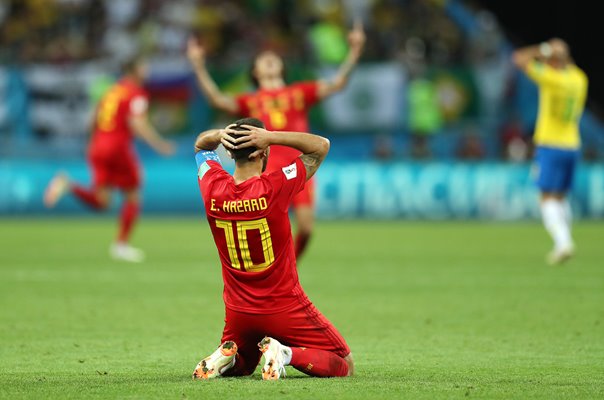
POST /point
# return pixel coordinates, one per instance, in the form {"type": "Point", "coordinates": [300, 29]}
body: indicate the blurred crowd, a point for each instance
{"type": "Point", "coordinates": [423, 35]}
{"type": "Point", "coordinates": [63, 31]}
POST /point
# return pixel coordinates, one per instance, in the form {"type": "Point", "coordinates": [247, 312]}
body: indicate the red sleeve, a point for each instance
{"type": "Point", "coordinates": [288, 182]}
{"type": "Point", "coordinates": [213, 173]}
{"type": "Point", "coordinates": [310, 90]}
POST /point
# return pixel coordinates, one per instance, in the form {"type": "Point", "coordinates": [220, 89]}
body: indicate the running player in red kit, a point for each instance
{"type": "Point", "coordinates": [248, 216]}
{"type": "Point", "coordinates": [121, 114]}
{"type": "Point", "coordinates": [282, 108]}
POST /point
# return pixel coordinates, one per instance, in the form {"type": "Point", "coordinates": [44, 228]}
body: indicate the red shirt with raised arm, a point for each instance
{"type": "Point", "coordinates": [283, 109]}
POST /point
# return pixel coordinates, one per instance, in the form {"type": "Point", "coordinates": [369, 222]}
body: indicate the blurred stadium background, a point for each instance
{"type": "Point", "coordinates": [435, 123]}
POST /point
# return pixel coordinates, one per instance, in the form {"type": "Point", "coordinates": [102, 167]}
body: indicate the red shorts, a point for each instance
{"type": "Point", "coordinates": [306, 197]}
{"type": "Point", "coordinates": [303, 326]}
{"type": "Point", "coordinates": [115, 168]}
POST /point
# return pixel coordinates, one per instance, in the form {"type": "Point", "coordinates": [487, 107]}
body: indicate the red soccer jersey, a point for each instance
{"type": "Point", "coordinates": [251, 229]}
{"type": "Point", "coordinates": [284, 109]}
{"type": "Point", "coordinates": [122, 101]}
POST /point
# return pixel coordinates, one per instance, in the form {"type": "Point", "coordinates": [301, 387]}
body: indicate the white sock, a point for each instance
{"type": "Point", "coordinates": [568, 213]}
{"type": "Point", "coordinates": [554, 219]}
{"type": "Point", "coordinates": [287, 355]}
{"type": "Point", "coordinates": [568, 217]}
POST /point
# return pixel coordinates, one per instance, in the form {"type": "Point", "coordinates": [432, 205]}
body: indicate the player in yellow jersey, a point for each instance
{"type": "Point", "coordinates": [562, 93]}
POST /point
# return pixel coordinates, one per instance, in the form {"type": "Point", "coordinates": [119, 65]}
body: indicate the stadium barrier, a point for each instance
{"type": "Point", "coordinates": [490, 191]}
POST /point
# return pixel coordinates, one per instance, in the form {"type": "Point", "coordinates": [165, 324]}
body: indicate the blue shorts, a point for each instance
{"type": "Point", "coordinates": [555, 169]}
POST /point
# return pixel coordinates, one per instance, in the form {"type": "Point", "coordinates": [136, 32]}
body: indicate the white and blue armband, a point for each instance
{"type": "Point", "coordinates": [201, 158]}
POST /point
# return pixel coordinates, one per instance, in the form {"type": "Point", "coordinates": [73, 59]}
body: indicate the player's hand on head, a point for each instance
{"type": "Point", "coordinates": [228, 141]}
{"type": "Point", "coordinates": [556, 42]}
{"type": "Point", "coordinates": [256, 129]}
{"type": "Point", "coordinates": [251, 137]}
{"type": "Point", "coordinates": [259, 137]}
{"type": "Point", "coordinates": [195, 51]}
{"type": "Point", "coordinates": [558, 45]}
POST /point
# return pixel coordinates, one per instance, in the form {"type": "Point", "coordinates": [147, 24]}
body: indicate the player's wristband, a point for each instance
{"type": "Point", "coordinates": [206, 155]}
{"type": "Point", "coordinates": [545, 49]}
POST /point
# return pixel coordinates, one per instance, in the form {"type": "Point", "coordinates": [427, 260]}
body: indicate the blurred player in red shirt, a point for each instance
{"type": "Point", "coordinates": [121, 114]}
{"type": "Point", "coordinates": [282, 108]}
{"type": "Point", "coordinates": [248, 216]}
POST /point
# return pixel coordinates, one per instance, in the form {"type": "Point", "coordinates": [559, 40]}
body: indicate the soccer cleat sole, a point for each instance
{"type": "Point", "coordinates": [205, 371]}
{"type": "Point", "coordinates": [269, 372]}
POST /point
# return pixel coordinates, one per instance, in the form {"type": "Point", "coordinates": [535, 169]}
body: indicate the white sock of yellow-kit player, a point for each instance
{"type": "Point", "coordinates": [568, 217]}
{"type": "Point", "coordinates": [555, 221]}
{"type": "Point", "coordinates": [568, 213]}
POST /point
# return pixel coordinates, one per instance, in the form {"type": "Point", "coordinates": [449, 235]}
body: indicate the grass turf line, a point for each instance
{"type": "Point", "coordinates": [430, 310]}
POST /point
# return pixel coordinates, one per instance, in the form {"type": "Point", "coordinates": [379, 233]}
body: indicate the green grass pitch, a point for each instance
{"type": "Point", "coordinates": [430, 310]}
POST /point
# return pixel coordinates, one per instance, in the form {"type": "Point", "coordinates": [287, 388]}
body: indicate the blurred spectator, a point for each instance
{"type": "Point", "coordinates": [14, 112]}
{"type": "Point", "coordinates": [423, 108]}
{"type": "Point", "coordinates": [4, 7]}
{"type": "Point", "coordinates": [384, 147]}
{"type": "Point", "coordinates": [123, 12]}
{"type": "Point", "coordinates": [488, 57]}
{"type": "Point", "coordinates": [470, 146]}
{"type": "Point", "coordinates": [329, 42]}
{"type": "Point", "coordinates": [514, 142]}
{"type": "Point", "coordinates": [591, 154]}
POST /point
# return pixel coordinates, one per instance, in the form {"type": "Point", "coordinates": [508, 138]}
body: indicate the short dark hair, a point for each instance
{"type": "Point", "coordinates": [243, 154]}
{"type": "Point", "coordinates": [129, 66]}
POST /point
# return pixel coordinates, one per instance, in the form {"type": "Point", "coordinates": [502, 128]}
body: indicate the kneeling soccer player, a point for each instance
{"type": "Point", "coordinates": [266, 309]}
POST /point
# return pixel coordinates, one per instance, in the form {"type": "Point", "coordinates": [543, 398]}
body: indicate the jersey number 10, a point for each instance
{"type": "Point", "coordinates": [243, 244]}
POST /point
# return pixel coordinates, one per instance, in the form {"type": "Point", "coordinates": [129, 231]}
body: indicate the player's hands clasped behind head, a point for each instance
{"type": "Point", "coordinates": [356, 37]}
{"type": "Point", "coordinates": [253, 136]}
{"type": "Point", "coordinates": [195, 52]}
{"type": "Point", "coordinates": [229, 142]}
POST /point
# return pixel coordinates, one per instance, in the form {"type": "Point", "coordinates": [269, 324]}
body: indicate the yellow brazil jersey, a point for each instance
{"type": "Point", "coordinates": [562, 94]}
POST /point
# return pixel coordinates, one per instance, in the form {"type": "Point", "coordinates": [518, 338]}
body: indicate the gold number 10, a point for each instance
{"type": "Point", "coordinates": [242, 228]}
